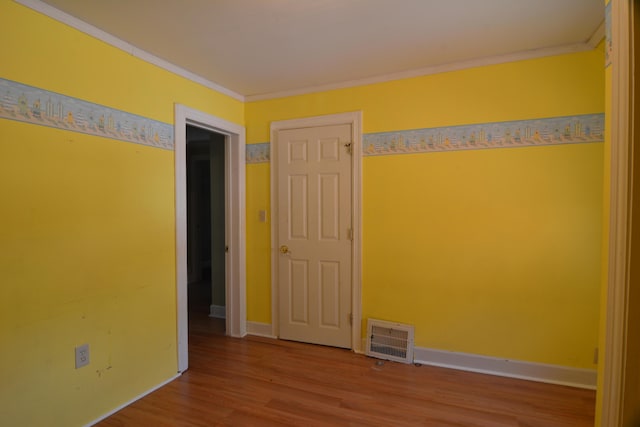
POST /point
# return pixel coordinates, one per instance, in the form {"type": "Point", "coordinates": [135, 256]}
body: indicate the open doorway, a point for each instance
{"type": "Point", "coordinates": [206, 277]}
{"type": "Point", "coordinates": [235, 220]}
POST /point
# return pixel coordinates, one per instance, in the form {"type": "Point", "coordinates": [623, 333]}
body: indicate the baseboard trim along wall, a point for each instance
{"type": "Point", "coordinates": [540, 372]}
{"type": "Point", "coordinates": [260, 329]}
{"type": "Point", "coordinates": [218, 311]}
{"type": "Point", "coordinates": [553, 374]}
{"type": "Point", "coordinates": [124, 405]}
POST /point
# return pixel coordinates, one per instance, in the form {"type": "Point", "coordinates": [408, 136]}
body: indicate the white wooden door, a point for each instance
{"type": "Point", "coordinates": [315, 234]}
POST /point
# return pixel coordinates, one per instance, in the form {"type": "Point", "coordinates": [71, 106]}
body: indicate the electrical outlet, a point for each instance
{"type": "Point", "coordinates": [82, 355]}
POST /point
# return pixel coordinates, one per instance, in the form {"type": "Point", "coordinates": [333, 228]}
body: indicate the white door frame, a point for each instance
{"type": "Point", "coordinates": [355, 120]}
{"type": "Point", "coordinates": [236, 319]}
{"type": "Point", "coordinates": [612, 383]}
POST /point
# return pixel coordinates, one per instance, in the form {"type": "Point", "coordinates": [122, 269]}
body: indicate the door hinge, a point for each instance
{"type": "Point", "coordinates": [351, 318]}
{"type": "Point", "coordinates": [349, 147]}
{"type": "Point", "coordinates": [350, 234]}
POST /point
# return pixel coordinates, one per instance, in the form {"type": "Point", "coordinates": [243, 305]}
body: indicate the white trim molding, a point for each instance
{"type": "Point", "coordinates": [540, 372]}
{"type": "Point", "coordinates": [612, 391]}
{"type": "Point", "coordinates": [235, 223]}
{"type": "Point", "coordinates": [260, 329]}
{"type": "Point", "coordinates": [597, 36]}
{"type": "Point", "coordinates": [118, 43]}
{"type": "Point", "coordinates": [435, 69]}
{"type": "Point", "coordinates": [355, 120]}
{"type": "Point", "coordinates": [129, 402]}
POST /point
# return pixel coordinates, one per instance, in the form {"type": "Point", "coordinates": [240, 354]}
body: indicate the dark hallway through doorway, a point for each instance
{"type": "Point", "coordinates": [206, 224]}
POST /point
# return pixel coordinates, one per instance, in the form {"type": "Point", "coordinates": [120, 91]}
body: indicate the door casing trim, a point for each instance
{"type": "Point", "coordinates": [611, 385]}
{"type": "Point", "coordinates": [235, 223]}
{"type": "Point", "coordinates": [355, 120]}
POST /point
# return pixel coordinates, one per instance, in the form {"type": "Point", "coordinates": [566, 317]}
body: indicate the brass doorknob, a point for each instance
{"type": "Point", "coordinates": [284, 249]}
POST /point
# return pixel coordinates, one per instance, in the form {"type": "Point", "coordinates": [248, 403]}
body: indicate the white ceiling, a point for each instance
{"type": "Point", "coordinates": [258, 47]}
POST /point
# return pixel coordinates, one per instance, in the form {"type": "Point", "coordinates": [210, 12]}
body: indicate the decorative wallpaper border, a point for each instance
{"type": "Point", "coordinates": [37, 106]}
{"type": "Point", "coordinates": [521, 133]}
{"type": "Point", "coordinates": [33, 105]}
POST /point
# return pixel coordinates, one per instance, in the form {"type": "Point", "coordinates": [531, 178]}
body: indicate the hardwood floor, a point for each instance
{"type": "Point", "coordinates": [262, 382]}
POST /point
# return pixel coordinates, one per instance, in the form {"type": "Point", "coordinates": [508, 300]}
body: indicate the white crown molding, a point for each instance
{"type": "Point", "coordinates": [89, 29]}
{"type": "Point", "coordinates": [99, 34]}
{"type": "Point", "coordinates": [597, 36]}
{"type": "Point", "coordinates": [436, 69]}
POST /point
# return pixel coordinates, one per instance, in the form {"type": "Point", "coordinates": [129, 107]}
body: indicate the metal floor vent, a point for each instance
{"type": "Point", "coordinates": [390, 341]}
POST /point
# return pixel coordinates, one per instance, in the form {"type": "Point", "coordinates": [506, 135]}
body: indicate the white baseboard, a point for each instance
{"type": "Point", "coordinates": [553, 374]}
{"type": "Point", "coordinates": [540, 372]}
{"type": "Point", "coordinates": [260, 329]}
{"type": "Point", "coordinates": [124, 405]}
{"type": "Point", "coordinates": [218, 311]}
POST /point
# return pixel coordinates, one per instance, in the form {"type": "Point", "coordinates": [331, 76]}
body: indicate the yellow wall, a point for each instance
{"type": "Point", "coordinates": [258, 244]}
{"type": "Point", "coordinates": [87, 243]}
{"type": "Point", "coordinates": [492, 252]}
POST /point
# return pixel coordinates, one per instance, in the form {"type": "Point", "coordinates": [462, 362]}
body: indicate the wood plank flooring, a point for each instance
{"type": "Point", "coordinates": [262, 382]}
